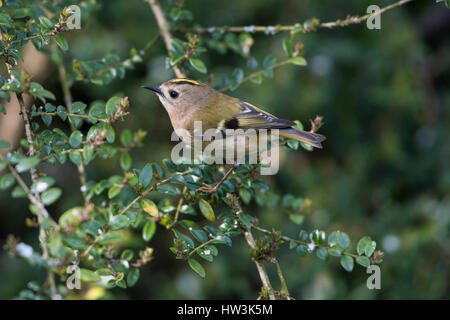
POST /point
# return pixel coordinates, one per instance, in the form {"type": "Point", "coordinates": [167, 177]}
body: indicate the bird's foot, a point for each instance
{"type": "Point", "coordinates": [206, 188]}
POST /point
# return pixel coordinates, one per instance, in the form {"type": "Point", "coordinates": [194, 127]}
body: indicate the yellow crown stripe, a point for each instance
{"type": "Point", "coordinates": [186, 80]}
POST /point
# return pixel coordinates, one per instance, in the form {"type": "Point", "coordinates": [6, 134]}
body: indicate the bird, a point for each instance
{"type": "Point", "coordinates": [187, 100]}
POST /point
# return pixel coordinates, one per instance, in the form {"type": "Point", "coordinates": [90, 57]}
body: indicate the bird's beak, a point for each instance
{"type": "Point", "coordinates": [155, 89]}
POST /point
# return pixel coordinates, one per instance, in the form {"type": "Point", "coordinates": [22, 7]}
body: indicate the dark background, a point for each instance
{"type": "Point", "coordinates": [384, 170]}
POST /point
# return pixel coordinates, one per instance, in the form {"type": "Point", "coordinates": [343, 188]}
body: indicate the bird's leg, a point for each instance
{"type": "Point", "coordinates": [209, 189]}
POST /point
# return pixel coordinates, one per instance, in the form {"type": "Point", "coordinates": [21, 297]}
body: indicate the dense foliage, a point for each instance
{"type": "Point", "coordinates": [92, 181]}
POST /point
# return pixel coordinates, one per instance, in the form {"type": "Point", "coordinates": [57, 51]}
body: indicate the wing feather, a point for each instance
{"type": "Point", "coordinates": [252, 117]}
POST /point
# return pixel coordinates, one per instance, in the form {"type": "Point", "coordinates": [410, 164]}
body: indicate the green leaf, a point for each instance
{"type": "Point", "coordinates": [300, 61]}
{"type": "Point", "coordinates": [112, 106]}
{"type": "Point", "coordinates": [126, 138]}
{"type": "Point", "coordinates": [75, 242]}
{"type": "Point", "coordinates": [62, 43]}
{"type": "Point", "coordinates": [347, 263]}
{"type": "Point", "coordinates": [78, 107]}
{"type": "Point", "coordinates": [198, 234]}
{"type": "Point", "coordinates": [318, 236]}
{"type": "Point", "coordinates": [292, 245]}
{"type": "Point", "coordinates": [27, 163]}
{"type": "Point", "coordinates": [296, 218]}
{"type": "Point", "coordinates": [89, 276]}
{"type": "Point", "coordinates": [149, 230]}
{"type": "Point", "coordinates": [114, 191]}
{"type": "Point", "coordinates": [245, 195]}
{"type": "Point", "coordinates": [269, 62]}
{"type": "Point", "coordinates": [340, 238]}
{"type": "Point", "coordinates": [223, 239]}
{"type": "Point", "coordinates": [366, 246]}
{"type": "Point", "coordinates": [145, 176]}
{"type": "Point", "coordinates": [334, 252]}
{"type": "Point", "coordinates": [127, 254]}
{"type": "Point", "coordinates": [198, 65]}
{"type": "Point", "coordinates": [50, 196]}
{"type": "Point", "coordinates": [42, 184]}
{"type": "Point", "coordinates": [364, 261]}
{"type": "Point", "coordinates": [197, 267]}
{"type": "Point", "coordinates": [303, 235]}
{"type": "Point", "coordinates": [72, 217]}
{"type": "Point", "coordinates": [61, 112]}
{"type": "Point", "coordinates": [75, 139]}
{"type": "Point", "coordinates": [125, 161]}
{"type": "Point", "coordinates": [108, 238]}
{"type": "Point", "coordinates": [6, 181]}
{"type": "Point", "coordinates": [246, 220]}
{"type": "Point", "coordinates": [322, 253]}
{"type": "Point", "coordinates": [110, 133]}
{"type": "Point", "coordinates": [2, 109]}
{"type": "Point", "coordinates": [18, 192]}
{"type": "Point", "coordinates": [4, 144]}
{"type": "Point", "coordinates": [119, 222]}
{"type": "Point", "coordinates": [46, 119]}
{"type": "Point", "coordinates": [288, 46]}
{"type": "Point", "coordinates": [343, 240]}
{"type": "Point", "coordinates": [133, 276]}
{"type": "Point", "coordinates": [5, 95]}
{"type": "Point", "coordinates": [75, 157]}
{"type": "Point", "coordinates": [149, 206]}
{"type": "Point", "coordinates": [302, 250]}
{"type": "Point", "coordinates": [46, 22]}
{"type": "Point", "coordinates": [168, 189]}
{"type": "Point", "coordinates": [206, 210]}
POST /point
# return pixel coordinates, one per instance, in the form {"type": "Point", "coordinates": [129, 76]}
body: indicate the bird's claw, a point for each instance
{"type": "Point", "coordinates": [207, 189]}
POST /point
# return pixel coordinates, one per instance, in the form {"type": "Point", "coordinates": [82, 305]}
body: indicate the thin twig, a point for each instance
{"type": "Point", "coordinates": [177, 212]}
{"type": "Point", "coordinates": [258, 73]}
{"type": "Point", "coordinates": [42, 213]}
{"type": "Point", "coordinates": [235, 206]}
{"type": "Point", "coordinates": [302, 242]}
{"type": "Point", "coordinates": [283, 28]}
{"type": "Point", "coordinates": [70, 114]}
{"type": "Point", "coordinates": [68, 100]}
{"type": "Point", "coordinates": [201, 246]}
{"type": "Point", "coordinates": [284, 290]}
{"type": "Point", "coordinates": [165, 32]}
{"type": "Point", "coordinates": [150, 189]}
{"type": "Point", "coordinates": [261, 270]}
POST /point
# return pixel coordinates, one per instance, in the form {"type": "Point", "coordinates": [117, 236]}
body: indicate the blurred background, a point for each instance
{"type": "Point", "coordinates": [384, 170]}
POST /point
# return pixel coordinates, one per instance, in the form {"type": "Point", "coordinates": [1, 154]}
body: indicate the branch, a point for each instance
{"type": "Point", "coordinates": [42, 236]}
{"type": "Point", "coordinates": [165, 33]}
{"type": "Point", "coordinates": [302, 242]}
{"type": "Point", "coordinates": [177, 212]}
{"type": "Point", "coordinates": [68, 100]}
{"type": "Point", "coordinates": [261, 270]}
{"type": "Point", "coordinates": [35, 199]}
{"type": "Point", "coordinates": [284, 290]}
{"type": "Point", "coordinates": [150, 189]}
{"type": "Point", "coordinates": [267, 286]}
{"type": "Point", "coordinates": [258, 73]}
{"type": "Point", "coordinates": [69, 114]}
{"type": "Point", "coordinates": [282, 28]}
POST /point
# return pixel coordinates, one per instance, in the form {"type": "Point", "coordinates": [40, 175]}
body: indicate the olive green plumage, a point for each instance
{"type": "Point", "coordinates": [187, 100]}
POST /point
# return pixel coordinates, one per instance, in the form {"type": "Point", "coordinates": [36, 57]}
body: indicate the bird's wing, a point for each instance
{"type": "Point", "coordinates": [252, 117]}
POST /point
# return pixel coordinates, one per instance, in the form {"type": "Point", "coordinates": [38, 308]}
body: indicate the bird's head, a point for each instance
{"type": "Point", "coordinates": [179, 95]}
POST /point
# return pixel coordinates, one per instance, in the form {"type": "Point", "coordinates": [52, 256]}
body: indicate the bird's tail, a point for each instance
{"type": "Point", "coordinates": [313, 139]}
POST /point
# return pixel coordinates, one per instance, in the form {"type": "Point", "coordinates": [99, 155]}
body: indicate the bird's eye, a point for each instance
{"type": "Point", "coordinates": [173, 94]}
